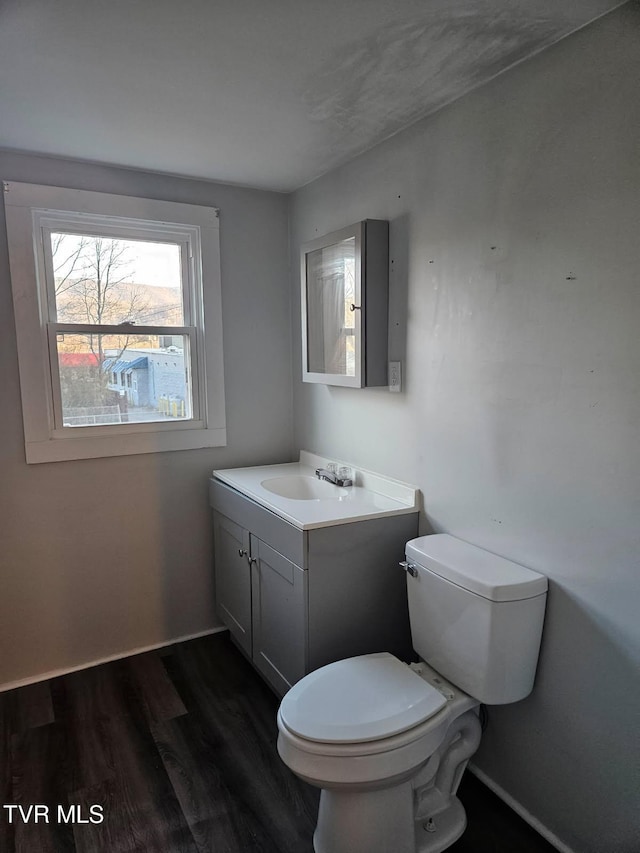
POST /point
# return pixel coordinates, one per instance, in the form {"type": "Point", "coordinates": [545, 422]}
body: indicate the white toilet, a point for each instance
{"type": "Point", "coordinates": [387, 742]}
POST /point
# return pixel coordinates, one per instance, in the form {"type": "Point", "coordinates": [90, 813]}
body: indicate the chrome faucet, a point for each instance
{"type": "Point", "coordinates": [332, 477]}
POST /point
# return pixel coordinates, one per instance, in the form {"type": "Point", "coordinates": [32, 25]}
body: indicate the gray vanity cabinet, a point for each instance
{"type": "Point", "coordinates": [261, 598]}
{"type": "Point", "coordinates": [295, 600]}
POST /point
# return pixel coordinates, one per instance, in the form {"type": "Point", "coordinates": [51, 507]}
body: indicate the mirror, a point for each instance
{"type": "Point", "coordinates": [331, 311]}
{"type": "Point", "coordinates": [344, 306]}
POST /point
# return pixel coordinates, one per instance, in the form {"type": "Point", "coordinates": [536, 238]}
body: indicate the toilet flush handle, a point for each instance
{"type": "Point", "coordinates": [409, 567]}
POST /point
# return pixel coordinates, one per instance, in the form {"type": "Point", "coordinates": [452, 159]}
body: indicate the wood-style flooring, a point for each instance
{"type": "Point", "coordinates": [178, 747]}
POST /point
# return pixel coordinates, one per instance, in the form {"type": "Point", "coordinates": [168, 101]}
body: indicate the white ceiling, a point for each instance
{"type": "Point", "coordinates": [265, 93]}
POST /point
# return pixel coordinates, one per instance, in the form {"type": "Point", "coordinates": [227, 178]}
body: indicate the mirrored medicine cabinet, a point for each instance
{"type": "Point", "coordinates": [345, 284]}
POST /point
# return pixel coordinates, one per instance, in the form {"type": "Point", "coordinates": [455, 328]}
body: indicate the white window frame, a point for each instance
{"type": "Point", "coordinates": [32, 213]}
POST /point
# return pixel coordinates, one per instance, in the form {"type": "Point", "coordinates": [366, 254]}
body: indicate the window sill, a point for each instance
{"type": "Point", "coordinates": [95, 447]}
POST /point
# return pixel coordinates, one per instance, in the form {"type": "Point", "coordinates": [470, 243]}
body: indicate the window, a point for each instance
{"type": "Point", "coordinates": [112, 298]}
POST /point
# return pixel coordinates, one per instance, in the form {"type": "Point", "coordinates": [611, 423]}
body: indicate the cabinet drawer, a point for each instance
{"type": "Point", "coordinates": [276, 532]}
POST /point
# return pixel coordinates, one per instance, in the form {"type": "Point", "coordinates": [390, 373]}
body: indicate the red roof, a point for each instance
{"type": "Point", "coordinates": [78, 359]}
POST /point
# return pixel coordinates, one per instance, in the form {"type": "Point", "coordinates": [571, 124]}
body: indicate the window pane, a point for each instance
{"type": "Point", "coordinates": [106, 281]}
{"type": "Point", "coordinates": [112, 379]}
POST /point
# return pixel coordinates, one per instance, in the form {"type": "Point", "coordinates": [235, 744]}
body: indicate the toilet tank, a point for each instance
{"type": "Point", "coordinates": [475, 617]}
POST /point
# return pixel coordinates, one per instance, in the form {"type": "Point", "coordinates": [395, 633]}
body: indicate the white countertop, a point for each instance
{"type": "Point", "coordinates": [372, 496]}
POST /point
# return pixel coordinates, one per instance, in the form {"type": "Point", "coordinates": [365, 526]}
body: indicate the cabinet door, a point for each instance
{"type": "Point", "coordinates": [233, 579]}
{"type": "Point", "coordinates": [279, 617]}
{"type": "Point", "coordinates": [345, 306]}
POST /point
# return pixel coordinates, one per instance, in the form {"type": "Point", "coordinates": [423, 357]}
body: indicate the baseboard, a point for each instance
{"type": "Point", "coordinates": [54, 673]}
{"type": "Point", "coordinates": [520, 810]}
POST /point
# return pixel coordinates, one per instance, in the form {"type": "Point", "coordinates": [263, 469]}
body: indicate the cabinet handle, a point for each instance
{"type": "Point", "coordinates": [252, 560]}
{"type": "Point", "coordinates": [353, 307]}
{"type": "Point", "coordinates": [409, 568]}
{"type": "Point", "coordinates": [242, 552]}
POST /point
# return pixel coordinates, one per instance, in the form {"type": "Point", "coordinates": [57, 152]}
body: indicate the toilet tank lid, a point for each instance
{"type": "Point", "coordinates": [475, 569]}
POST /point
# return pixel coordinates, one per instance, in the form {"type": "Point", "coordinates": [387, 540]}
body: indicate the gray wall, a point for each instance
{"type": "Point", "coordinates": [103, 556]}
{"type": "Point", "coordinates": [515, 306]}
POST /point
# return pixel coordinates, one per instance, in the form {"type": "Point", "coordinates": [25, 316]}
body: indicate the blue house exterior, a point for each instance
{"type": "Point", "coordinates": [151, 379]}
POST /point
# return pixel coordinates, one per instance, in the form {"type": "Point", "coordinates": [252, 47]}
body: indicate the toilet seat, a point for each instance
{"type": "Point", "coordinates": [382, 758]}
{"type": "Point", "coordinates": [371, 762]}
{"type": "Point", "coordinates": [357, 700]}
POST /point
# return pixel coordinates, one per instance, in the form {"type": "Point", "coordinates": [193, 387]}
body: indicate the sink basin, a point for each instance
{"type": "Point", "coordinates": [301, 488]}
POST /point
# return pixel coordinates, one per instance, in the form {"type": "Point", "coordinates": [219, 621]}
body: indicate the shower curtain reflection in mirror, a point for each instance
{"type": "Point", "coordinates": [331, 318]}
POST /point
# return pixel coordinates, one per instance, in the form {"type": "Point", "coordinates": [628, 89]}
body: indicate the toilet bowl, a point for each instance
{"type": "Point", "coordinates": [387, 742]}
{"type": "Point", "coordinates": [376, 735]}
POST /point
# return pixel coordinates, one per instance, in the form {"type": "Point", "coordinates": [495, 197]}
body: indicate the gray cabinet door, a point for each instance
{"type": "Point", "coordinates": [279, 617]}
{"type": "Point", "coordinates": [233, 579]}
